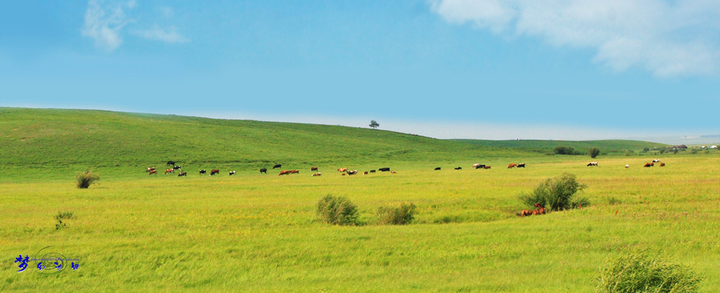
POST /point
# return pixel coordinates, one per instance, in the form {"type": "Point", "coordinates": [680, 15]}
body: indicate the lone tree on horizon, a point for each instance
{"type": "Point", "coordinates": [374, 124]}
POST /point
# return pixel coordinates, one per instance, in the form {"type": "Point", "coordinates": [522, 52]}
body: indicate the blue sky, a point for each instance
{"type": "Point", "coordinates": [486, 69]}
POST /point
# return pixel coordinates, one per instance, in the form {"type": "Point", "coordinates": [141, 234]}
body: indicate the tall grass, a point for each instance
{"type": "Point", "coordinates": [557, 193]}
{"type": "Point", "coordinates": [84, 180]}
{"type": "Point", "coordinates": [337, 210]}
{"type": "Point", "coordinates": [400, 214]}
{"type": "Point", "coordinates": [640, 272]}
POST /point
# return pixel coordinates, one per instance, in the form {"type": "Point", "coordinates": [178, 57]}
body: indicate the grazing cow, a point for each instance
{"type": "Point", "coordinates": [627, 166]}
{"type": "Point", "coordinates": [656, 161]}
{"type": "Point", "coordinates": [479, 166]}
{"type": "Point", "coordinates": [284, 172]}
{"type": "Point", "coordinates": [153, 172]}
{"type": "Point", "coordinates": [342, 170]}
{"type": "Point", "coordinates": [214, 171]}
{"type": "Point", "coordinates": [592, 164]}
{"type": "Point", "coordinates": [372, 171]}
{"type": "Point", "coordinates": [203, 171]}
{"type": "Point", "coordinates": [171, 163]}
{"type": "Point", "coordinates": [486, 167]}
{"type": "Point", "coordinates": [437, 168]}
{"type": "Point", "coordinates": [525, 213]}
{"type": "Point", "coordinates": [540, 209]}
{"type": "Point", "coordinates": [366, 172]}
{"type": "Point", "coordinates": [182, 174]}
{"type": "Point", "coordinates": [176, 167]}
{"type": "Point", "coordinates": [150, 169]}
{"type": "Point", "coordinates": [170, 171]}
{"type": "Point", "coordinates": [386, 169]}
{"type": "Point", "coordinates": [352, 172]}
{"type": "Point", "coordinates": [662, 164]}
{"type": "Point", "coordinates": [317, 174]}
{"type": "Point", "coordinates": [649, 164]}
{"type": "Point", "coordinates": [263, 170]}
{"type": "Point", "coordinates": [392, 172]}
{"type": "Point", "coordinates": [521, 165]}
{"type": "Point", "coordinates": [313, 168]}
{"type": "Point", "coordinates": [458, 168]}
{"type": "Point", "coordinates": [232, 173]}
{"type": "Point", "coordinates": [513, 165]}
{"type": "Point", "coordinates": [277, 166]}
{"type": "Point", "coordinates": [294, 171]}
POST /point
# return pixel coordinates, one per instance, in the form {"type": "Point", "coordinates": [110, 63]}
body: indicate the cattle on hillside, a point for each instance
{"type": "Point", "coordinates": [656, 160]}
{"type": "Point", "coordinates": [294, 171]}
{"type": "Point", "coordinates": [372, 171]}
{"type": "Point", "coordinates": [662, 164]}
{"type": "Point", "coordinates": [317, 174]}
{"type": "Point", "coordinates": [182, 174]}
{"type": "Point", "coordinates": [592, 164]}
{"type": "Point", "coordinates": [627, 166]}
{"type": "Point", "coordinates": [177, 167]}
{"type": "Point", "coordinates": [214, 171]}
{"type": "Point", "coordinates": [437, 168]}
{"type": "Point", "coordinates": [171, 163]}
{"type": "Point", "coordinates": [231, 173]}
{"type": "Point", "coordinates": [277, 166]}
{"type": "Point", "coordinates": [149, 169]}
{"type": "Point", "coordinates": [203, 171]}
{"type": "Point", "coordinates": [486, 167]}
{"type": "Point", "coordinates": [313, 168]}
{"type": "Point", "coordinates": [458, 168]}
{"type": "Point", "coordinates": [352, 172]}
{"type": "Point", "coordinates": [284, 172]}
{"type": "Point", "coordinates": [479, 166]}
{"type": "Point", "coordinates": [342, 170]}
{"type": "Point", "coordinates": [513, 165]}
{"type": "Point", "coordinates": [153, 172]}
{"type": "Point", "coordinates": [385, 169]}
{"type": "Point", "coordinates": [521, 165]}
{"type": "Point", "coordinates": [263, 170]}
{"type": "Point", "coordinates": [649, 165]}
{"type": "Point", "coordinates": [170, 171]}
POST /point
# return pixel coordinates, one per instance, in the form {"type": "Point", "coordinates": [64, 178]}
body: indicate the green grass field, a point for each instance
{"type": "Point", "coordinates": [255, 232]}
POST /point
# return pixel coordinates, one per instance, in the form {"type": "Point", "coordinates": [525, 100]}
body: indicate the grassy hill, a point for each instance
{"type": "Point", "coordinates": [54, 137]}
{"type": "Point", "coordinates": [547, 146]}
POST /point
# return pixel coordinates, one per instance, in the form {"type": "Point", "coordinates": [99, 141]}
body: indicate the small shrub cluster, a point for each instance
{"type": "Point", "coordinates": [557, 193]}
{"type": "Point", "coordinates": [401, 214]}
{"type": "Point", "coordinates": [638, 272]}
{"type": "Point", "coordinates": [62, 216]}
{"type": "Point", "coordinates": [594, 152]}
{"type": "Point", "coordinates": [337, 210]}
{"type": "Point", "coordinates": [563, 150]}
{"type": "Point", "coordinates": [85, 179]}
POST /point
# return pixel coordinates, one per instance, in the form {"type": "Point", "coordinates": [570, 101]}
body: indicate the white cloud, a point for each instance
{"type": "Point", "coordinates": [169, 35]}
{"type": "Point", "coordinates": [663, 37]}
{"type": "Point", "coordinates": [104, 24]}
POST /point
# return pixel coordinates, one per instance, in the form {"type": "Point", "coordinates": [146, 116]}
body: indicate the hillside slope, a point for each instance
{"type": "Point", "coordinates": [547, 146]}
{"type": "Point", "coordinates": [31, 137]}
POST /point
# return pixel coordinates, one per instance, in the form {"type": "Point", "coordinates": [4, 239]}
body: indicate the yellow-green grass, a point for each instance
{"type": "Point", "coordinates": [258, 233]}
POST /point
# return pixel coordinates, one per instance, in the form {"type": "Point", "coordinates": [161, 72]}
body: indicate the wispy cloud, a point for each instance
{"type": "Point", "coordinates": [104, 23]}
{"type": "Point", "coordinates": [664, 37]}
{"type": "Point", "coordinates": [169, 35]}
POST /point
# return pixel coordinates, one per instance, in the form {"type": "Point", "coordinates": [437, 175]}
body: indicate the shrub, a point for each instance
{"type": "Point", "coordinates": [337, 210]}
{"type": "Point", "coordinates": [638, 272]}
{"type": "Point", "coordinates": [61, 216]}
{"type": "Point", "coordinates": [594, 152]}
{"type": "Point", "coordinates": [85, 179]}
{"type": "Point", "coordinates": [396, 214]}
{"type": "Point", "coordinates": [557, 193]}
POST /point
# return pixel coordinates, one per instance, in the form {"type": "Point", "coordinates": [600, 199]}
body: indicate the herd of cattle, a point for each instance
{"type": "Point", "coordinates": [345, 171]}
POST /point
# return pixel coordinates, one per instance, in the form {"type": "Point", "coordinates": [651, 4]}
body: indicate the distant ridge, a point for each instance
{"type": "Point", "coordinates": [605, 146]}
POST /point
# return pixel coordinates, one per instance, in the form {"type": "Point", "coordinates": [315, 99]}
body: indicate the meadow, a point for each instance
{"type": "Point", "coordinates": [255, 232]}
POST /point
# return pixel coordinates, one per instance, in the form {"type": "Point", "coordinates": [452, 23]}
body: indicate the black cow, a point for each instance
{"type": "Point", "coordinates": [386, 169]}
{"type": "Point", "coordinates": [171, 163]}
{"type": "Point", "coordinates": [521, 165]}
{"type": "Point", "coordinates": [203, 171]}
{"type": "Point", "coordinates": [479, 166]}
{"type": "Point", "coordinates": [438, 168]}
{"type": "Point", "coordinates": [277, 166]}
{"type": "Point", "coordinates": [232, 173]}
{"type": "Point", "coordinates": [372, 171]}
{"type": "Point", "coordinates": [182, 174]}
{"type": "Point", "coordinates": [458, 168]}
{"type": "Point", "coordinates": [177, 167]}
{"type": "Point", "coordinates": [263, 170]}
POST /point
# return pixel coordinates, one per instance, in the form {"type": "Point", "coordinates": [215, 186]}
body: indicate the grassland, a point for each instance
{"type": "Point", "coordinates": [258, 233]}
{"type": "Point", "coordinates": [607, 147]}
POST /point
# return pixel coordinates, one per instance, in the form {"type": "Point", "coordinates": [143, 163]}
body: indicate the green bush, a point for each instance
{"type": "Point", "coordinates": [85, 179]}
{"type": "Point", "coordinates": [638, 272]}
{"type": "Point", "coordinates": [396, 214]}
{"type": "Point", "coordinates": [62, 216]}
{"type": "Point", "coordinates": [557, 193]}
{"type": "Point", "coordinates": [594, 152]}
{"type": "Point", "coordinates": [337, 210]}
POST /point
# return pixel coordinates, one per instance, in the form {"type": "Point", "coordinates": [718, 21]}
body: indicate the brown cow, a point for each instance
{"type": "Point", "coordinates": [513, 165]}
{"type": "Point", "coordinates": [486, 167]}
{"type": "Point", "coordinates": [541, 209]}
{"type": "Point", "coordinates": [214, 171]}
{"type": "Point", "coordinates": [352, 172]}
{"type": "Point", "coordinates": [342, 170]}
{"type": "Point", "coordinates": [662, 164]}
{"type": "Point", "coordinates": [294, 171]}
{"type": "Point", "coordinates": [153, 172]}
{"type": "Point", "coordinates": [525, 213]}
{"type": "Point", "coordinates": [170, 171]}
{"type": "Point", "coordinates": [284, 172]}
{"type": "Point", "coordinates": [649, 164]}
{"type": "Point", "coordinates": [150, 169]}
{"type": "Point", "coordinates": [317, 174]}
{"type": "Point", "coordinates": [313, 168]}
